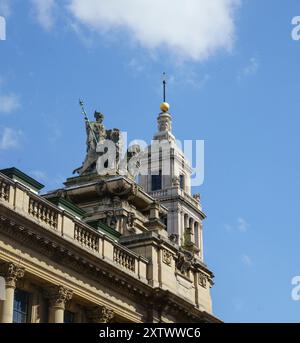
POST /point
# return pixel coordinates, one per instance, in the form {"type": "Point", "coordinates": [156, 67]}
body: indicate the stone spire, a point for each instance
{"type": "Point", "coordinates": [164, 120]}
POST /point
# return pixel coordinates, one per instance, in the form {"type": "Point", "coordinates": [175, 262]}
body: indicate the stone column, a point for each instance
{"type": "Point", "coordinates": [186, 221]}
{"type": "Point", "coordinates": [58, 297]}
{"type": "Point", "coordinates": [100, 314]}
{"type": "Point", "coordinates": [11, 273]}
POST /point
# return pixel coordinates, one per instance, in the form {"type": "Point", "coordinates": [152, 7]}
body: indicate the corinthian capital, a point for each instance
{"type": "Point", "coordinates": [100, 314]}
{"type": "Point", "coordinates": [58, 295]}
{"type": "Point", "coordinates": [12, 273]}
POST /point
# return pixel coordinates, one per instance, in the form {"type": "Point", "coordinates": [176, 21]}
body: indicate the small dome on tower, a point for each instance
{"type": "Point", "coordinates": [164, 106]}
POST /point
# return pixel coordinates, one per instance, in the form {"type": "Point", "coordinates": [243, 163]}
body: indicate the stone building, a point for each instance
{"type": "Point", "coordinates": [105, 248]}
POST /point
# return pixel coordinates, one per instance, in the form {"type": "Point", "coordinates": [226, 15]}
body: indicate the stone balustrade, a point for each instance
{"type": "Point", "coordinates": [86, 237]}
{"type": "Point", "coordinates": [173, 191]}
{"type": "Point", "coordinates": [160, 193]}
{"type": "Point", "coordinates": [43, 212]}
{"type": "Point", "coordinates": [35, 208]}
{"type": "Point", "coordinates": [124, 259]}
{"type": "Point", "coordinates": [4, 190]}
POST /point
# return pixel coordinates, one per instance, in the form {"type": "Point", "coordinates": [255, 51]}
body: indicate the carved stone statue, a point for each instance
{"type": "Point", "coordinates": [134, 155]}
{"type": "Point", "coordinates": [184, 262]}
{"type": "Point", "coordinates": [98, 143]}
{"type": "Point", "coordinates": [95, 132]}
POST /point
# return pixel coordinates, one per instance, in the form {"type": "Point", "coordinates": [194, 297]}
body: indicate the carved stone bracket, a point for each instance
{"type": "Point", "coordinates": [12, 273]}
{"type": "Point", "coordinates": [58, 296]}
{"type": "Point", "coordinates": [100, 314]}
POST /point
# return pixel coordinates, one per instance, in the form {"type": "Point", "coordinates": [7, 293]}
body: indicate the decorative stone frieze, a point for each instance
{"type": "Point", "coordinates": [167, 257]}
{"type": "Point", "coordinates": [4, 190]}
{"type": "Point", "coordinates": [202, 278]}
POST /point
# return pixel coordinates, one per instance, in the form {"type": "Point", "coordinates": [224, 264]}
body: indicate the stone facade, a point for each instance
{"type": "Point", "coordinates": [103, 249]}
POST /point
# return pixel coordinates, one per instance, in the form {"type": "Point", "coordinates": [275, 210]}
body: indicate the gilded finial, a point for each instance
{"type": "Point", "coordinates": [164, 106]}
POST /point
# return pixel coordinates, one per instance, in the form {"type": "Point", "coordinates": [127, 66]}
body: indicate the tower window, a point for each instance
{"type": "Point", "coordinates": [156, 182]}
{"type": "Point", "coordinates": [182, 182]}
{"type": "Point", "coordinates": [21, 302]}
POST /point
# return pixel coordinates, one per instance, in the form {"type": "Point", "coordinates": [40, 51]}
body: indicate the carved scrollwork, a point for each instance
{"type": "Point", "coordinates": [58, 295]}
{"type": "Point", "coordinates": [100, 314]}
{"type": "Point", "coordinates": [167, 257]}
{"type": "Point", "coordinates": [12, 273]}
{"type": "Point", "coordinates": [202, 278]}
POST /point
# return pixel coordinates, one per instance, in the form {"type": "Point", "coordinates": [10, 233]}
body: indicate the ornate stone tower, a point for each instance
{"type": "Point", "coordinates": [103, 248]}
{"type": "Point", "coordinates": [166, 177]}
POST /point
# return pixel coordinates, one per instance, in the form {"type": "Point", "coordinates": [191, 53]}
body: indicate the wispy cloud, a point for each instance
{"type": "Point", "coordinates": [44, 12]}
{"type": "Point", "coordinates": [136, 66]}
{"type": "Point", "coordinates": [250, 69]}
{"type": "Point", "coordinates": [9, 103]}
{"type": "Point", "coordinates": [247, 260]}
{"type": "Point", "coordinates": [10, 139]}
{"type": "Point", "coordinates": [184, 28]}
{"type": "Point", "coordinates": [240, 225]}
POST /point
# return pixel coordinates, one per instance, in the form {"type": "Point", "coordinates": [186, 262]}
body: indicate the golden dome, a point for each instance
{"type": "Point", "coordinates": [164, 106]}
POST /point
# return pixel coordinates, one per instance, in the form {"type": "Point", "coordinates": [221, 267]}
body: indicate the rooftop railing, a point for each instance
{"type": "Point", "coordinates": [39, 210]}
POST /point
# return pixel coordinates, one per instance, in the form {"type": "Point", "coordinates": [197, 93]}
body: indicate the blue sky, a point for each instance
{"type": "Point", "coordinates": [233, 82]}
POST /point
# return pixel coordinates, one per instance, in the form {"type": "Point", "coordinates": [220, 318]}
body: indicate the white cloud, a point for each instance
{"type": "Point", "coordinates": [250, 69]}
{"type": "Point", "coordinates": [247, 260]}
{"type": "Point", "coordinates": [5, 8]}
{"type": "Point", "coordinates": [9, 103]}
{"type": "Point", "coordinates": [10, 139]}
{"type": "Point", "coordinates": [240, 225]}
{"type": "Point", "coordinates": [192, 30]}
{"type": "Point", "coordinates": [44, 12]}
